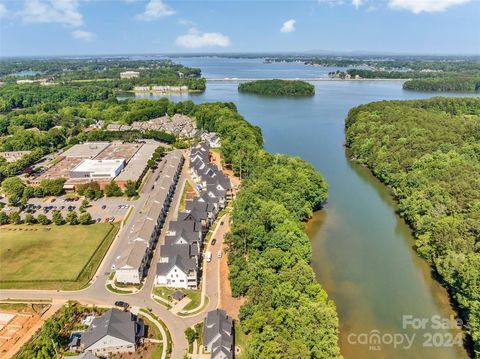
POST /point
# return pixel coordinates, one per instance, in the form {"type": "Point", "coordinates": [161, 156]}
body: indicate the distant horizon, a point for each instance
{"type": "Point", "coordinates": [256, 54]}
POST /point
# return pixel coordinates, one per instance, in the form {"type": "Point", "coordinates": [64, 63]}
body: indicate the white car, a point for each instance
{"type": "Point", "coordinates": [219, 254]}
{"type": "Point", "coordinates": [208, 256]}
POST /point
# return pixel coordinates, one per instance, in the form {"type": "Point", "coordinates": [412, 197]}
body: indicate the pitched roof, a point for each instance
{"type": "Point", "coordinates": [114, 322]}
{"type": "Point", "coordinates": [183, 250]}
{"type": "Point", "coordinates": [189, 226]}
{"type": "Point", "coordinates": [188, 236]}
{"type": "Point", "coordinates": [218, 332]}
{"type": "Point", "coordinates": [193, 215]}
{"type": "Point", "coordinates": [178, 295]}
{"type": "Point", "coordinates": [184, 264]}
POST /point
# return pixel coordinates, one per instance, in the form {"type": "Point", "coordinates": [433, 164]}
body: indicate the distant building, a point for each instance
{"type": "Point", "coordinates": [129, 74]}
{"type": "Point", "coordinates": [218, 335]}
{"type": "Point", "coordinates": [113, 332]}
{"type": "Point", "coordinates": [12, 156]}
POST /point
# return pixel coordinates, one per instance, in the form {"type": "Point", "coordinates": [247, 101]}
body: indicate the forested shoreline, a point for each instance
{"type": "Point", "coordinates": [287, 312]}
{"type": "Point", "coordinates": [278, 87]}
{"type": "Point", "coordinates": [428, 153]}
{"type": "Point", "coordinates": [105, 73]}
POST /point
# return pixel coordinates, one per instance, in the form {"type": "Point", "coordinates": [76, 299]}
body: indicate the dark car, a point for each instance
{"type": "Point", "coordinates": [214, 241]}
{"type": "Point", "coordinates": [122, 304]}
{"type": "Point", "coordinates": [104, 206]}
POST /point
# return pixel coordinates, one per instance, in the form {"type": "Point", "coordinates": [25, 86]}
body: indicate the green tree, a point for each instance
{"type": "Point", "coordinates": [43, 219]}
{"type": "Point", "coordinates": [13, 187]}
{"type": "Point", "coordinates": [130, 188]}
{"type": "Point", "coordinates": [72, 217]}
{"type": "Point", "coordinates": [4, 218]}
{"type": "Point", "coordinates": [14, 217]}
{"type": "Point", "coordinates": [85, 218]}
{"type": "Point", "coordinates": [191, 335]}
{"type": "Point", "coordinates": [113, 190]}
{"type": "Point", "coordinates": [57, 218]}
{"type": "Point", "coordinates": [29, 219]}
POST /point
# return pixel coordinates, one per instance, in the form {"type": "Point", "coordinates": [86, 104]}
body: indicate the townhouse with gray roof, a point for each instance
{"type": "Point", "coordinates": [132, 265]}
{"type": "Point", "coordinates": [218, 335]}
{"type": "Point", "coordinates": [114, 332]}
{"type": "Point", "coordinates": [179, 262]}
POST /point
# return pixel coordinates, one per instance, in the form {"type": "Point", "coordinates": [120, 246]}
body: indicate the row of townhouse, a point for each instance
{"type": "Point", "coordinates": [180, 256]}
{"type": "Point", "coordinates": [132, 266]}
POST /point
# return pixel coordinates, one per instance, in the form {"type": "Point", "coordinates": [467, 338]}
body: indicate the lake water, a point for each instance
{"type": "Point", "coordinates": [362, 251]}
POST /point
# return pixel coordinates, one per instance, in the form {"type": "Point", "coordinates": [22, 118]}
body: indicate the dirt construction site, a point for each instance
{"type": "Point", "coordinates": [18, 322]}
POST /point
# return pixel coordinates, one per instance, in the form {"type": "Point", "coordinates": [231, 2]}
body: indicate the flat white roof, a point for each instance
{"type": "Point", "coordinates": [99, 166]}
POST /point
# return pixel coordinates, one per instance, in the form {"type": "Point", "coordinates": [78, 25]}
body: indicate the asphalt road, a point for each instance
{"type": "Point", "coordinates": [97, 293]}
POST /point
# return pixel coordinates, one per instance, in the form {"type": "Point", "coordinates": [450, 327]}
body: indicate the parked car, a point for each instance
{"type": "Point", "coordinates": [104, 206]}
{"type": "Point", "coordinates": [122, 304]}
{"type": "Point", "coordinates": [214, 241]}
{"type": "Point", "coordinates": [208, 256]}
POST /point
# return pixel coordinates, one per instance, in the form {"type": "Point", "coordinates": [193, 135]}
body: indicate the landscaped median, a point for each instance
{"type": "Point", "coordinates": [52, 257]}
{"type": "Point", "coordinates": [163, 296]}
{"type": "Point", "coordinates": [166, 338]}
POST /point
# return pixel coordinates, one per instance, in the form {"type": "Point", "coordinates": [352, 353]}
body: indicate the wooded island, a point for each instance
{"type": "Point", "coordinates": [278, 88]}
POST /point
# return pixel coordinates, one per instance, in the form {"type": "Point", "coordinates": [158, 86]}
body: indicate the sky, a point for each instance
{"type": "Point", "coordinates": [104, 27]}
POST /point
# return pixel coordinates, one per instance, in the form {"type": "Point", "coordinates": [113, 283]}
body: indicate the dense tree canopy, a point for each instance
{"type": "Point", "coordinates": [278, 88]}
{"type": "Point", "coordinates": [288, 313]}
{"type": "Point", "coordinates": [428, 152]}
{"type": "Point", "coordinates": [454, 83]}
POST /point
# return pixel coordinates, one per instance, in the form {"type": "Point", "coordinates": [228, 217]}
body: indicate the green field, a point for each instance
{"type": "Point", "coordinates": [61, 257]}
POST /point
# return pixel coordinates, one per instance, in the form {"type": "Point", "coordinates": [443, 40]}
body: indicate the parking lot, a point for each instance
{"type": "Point", "coordinates": [104, 209]}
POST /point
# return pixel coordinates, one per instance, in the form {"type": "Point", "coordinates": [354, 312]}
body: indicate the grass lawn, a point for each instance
{"type": "Point", "coordinates": [241, 340]}
{"type": "Point", "coordinates": [63, 257]}
{"type": "Point", "coordinates": [164, 292]}
{"type": "Point", "coordinates": [183, 201]}
{"type": "Point", "coordinates": [195, 297]}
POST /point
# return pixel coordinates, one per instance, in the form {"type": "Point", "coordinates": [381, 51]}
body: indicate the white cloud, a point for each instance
{"type": "Point", "coordinates": [418, 6]}
{"type": "Point", "coordinates": [195, 39]}
{"type": "Point", "coordinates": [186, 22]}
{"type": "Point", "coordinates": [84, 35]}
{"type": "Point", "coordinates": [357, 3]}
{"type": "Point", "coordinates": [288, 26]}
{"type": "Point", "coordinates": [155, 9]}
{"type": "Point", "coordinates": [3, 10]}
{"type": "Point", "coordinates": [52, 11]}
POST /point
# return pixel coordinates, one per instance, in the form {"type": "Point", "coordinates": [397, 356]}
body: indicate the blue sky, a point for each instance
{"type": "Point", "coordinates": [76, 27]}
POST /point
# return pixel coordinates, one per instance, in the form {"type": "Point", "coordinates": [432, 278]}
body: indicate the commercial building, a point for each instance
{"type": "Point", "coordinates": [101, 162]}
{"type": "Point", "coordinates": [129, 74]}
{"type": "Point", "coordinates": [98, 169]}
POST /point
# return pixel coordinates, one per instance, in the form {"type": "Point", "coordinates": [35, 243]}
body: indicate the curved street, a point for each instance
{"type": "Point", "coordinates": [97, 293]}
